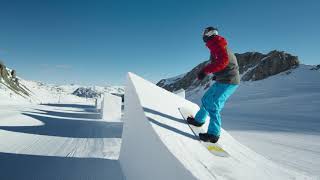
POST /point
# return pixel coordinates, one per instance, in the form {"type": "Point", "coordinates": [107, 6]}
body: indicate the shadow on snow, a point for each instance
{"type": "Point", "coordinates": [71, 115]}
{"type": "Point", "coordinates": [71, 106]}
{"type": "Point", "coordinates": [61, 125]}
{"type": "Point", "coordinates": [20, 166]}
{"type": "Point", "coordinates": [180, 120]}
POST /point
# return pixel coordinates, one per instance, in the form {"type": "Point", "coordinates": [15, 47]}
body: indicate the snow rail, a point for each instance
{"type": "Point", "coordinates": [158, 144]}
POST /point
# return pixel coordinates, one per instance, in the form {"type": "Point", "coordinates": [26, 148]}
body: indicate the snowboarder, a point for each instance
{"type": "Point", "coordinates": [223, 64]}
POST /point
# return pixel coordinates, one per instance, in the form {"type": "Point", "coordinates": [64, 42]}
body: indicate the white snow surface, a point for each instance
{"type": "Point", "coordinates": [111, 108]}
{"type": "Point", "coordinates": [64, 138]}
{"type": "Point", "coordinates": [51, 93]}
{"type": "Point", "coordinates": [279, 117]}
{"type": "Point", "coordinates": [158, 144]}
{"type": "Point", "coordinates": [57, 141]}
{"type": "Point", "coordinates": [181, 93]}
{"type": "Point", "coordinates": [272, 132]}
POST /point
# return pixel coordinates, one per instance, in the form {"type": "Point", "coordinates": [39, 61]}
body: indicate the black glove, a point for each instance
{"type": "Point", "coordinates": [214, 78]}
{"type": "Point", "coordinates": [201, 75]}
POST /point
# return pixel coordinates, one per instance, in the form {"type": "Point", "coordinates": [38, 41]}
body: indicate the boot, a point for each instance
{"type": "Point", "coordinates": [208, 137]}
{"type": "Point", "coordinates": [192, 121]}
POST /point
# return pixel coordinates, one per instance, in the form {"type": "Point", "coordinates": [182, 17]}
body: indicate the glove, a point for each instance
{"type": "Point", "coordinates": [214, 78]}
{"type": "Point", "coordinates": [201, 75]}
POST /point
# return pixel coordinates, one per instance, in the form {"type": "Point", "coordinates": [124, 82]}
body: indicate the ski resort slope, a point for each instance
{"type": "Point", "coordinates": [279, 117]}
{"type": "Point", "coordinates": [58, 141]}
{"type": "Point", "coordinates": [158, 144]}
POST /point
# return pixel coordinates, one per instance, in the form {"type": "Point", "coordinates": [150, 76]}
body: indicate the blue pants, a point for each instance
{"type": "Point", "coordinates": [212, 103]}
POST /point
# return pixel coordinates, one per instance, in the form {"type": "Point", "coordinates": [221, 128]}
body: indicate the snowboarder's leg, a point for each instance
{"type": "Point", "coordinates": [199, 119]}
{"type": "Point", "coordinates": [214, 101]}
{"type": "Point", "coordinates": [201, 115]}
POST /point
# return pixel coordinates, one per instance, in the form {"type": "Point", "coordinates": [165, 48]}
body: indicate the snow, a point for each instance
{"type": "Point", "coordinates": [279, 117]}
{"type": "Point", "coordinates": [51, 93]}
{"type": "Point", "coordinates": [57, 141]}
{"type": "Point", "coordinates": [9, 97]}
{"type": "Point", "coordinates": [271, 132]}
{"type": "Point", "coordinates": [111, 107]}
{"type": "Point", "coordinates": [143, 156]}
{"type": "Point", "coordinates": [158, 144]}
{"type": "Point", "coordinates": [181, 93]}
{"type": "Point", "coordinates": [173, 79]}
{"type": "Point", "coordinates": [64, 138]}
{"type": "Point", "coordinates": [99, 104]}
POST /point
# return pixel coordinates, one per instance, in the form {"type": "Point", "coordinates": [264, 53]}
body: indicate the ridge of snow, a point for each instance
{"type": "Point", "coordinates": [173, 79]}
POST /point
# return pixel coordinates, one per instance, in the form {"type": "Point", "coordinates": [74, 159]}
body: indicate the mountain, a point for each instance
{"type": "Point", "coordinates": [315, 68]}
{"type": "Point", "coordinates": [253, 66]}
{"type": "Point", "coordinates": [86, 92]}
{"type": "Point", "coordinates": [16, 90]}
{"type": "Point", "coordinates": [97, 91]}
{"type": "Point", "coordinates": [9, 80]}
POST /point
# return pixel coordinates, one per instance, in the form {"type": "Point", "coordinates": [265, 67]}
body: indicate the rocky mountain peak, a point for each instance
{"type": "Point", "coordinates": [317, 67]}
{"type": "Point", "coordinates": [253, 66]}
{"type": "Point", "coordinates": [9, 80]}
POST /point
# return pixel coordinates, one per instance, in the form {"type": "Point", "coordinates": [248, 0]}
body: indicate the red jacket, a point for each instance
{"type": "Point", "coordinates": [219, 56]}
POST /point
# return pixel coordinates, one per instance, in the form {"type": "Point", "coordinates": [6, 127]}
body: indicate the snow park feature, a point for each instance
{"type": "Point", "coordinates": [181, 93]}
{"type": "Point", "coordinates": [58, 142]}
{"type": "Point", "coordinates": [111, 107]}
{"type": "Point", "coordinates": [158, 144]}
{"type": "Point", "coordinates": [98, 104]}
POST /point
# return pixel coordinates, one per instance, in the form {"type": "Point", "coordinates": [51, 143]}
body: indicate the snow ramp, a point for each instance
{"type": "Point", "coordinates": [111, 108]}
{"type": "Point", "coordinates": [158, 144]}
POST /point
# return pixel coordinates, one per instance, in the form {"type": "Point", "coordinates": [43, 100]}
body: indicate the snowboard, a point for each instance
{"type": "Point", "coordinates": [213, 148]}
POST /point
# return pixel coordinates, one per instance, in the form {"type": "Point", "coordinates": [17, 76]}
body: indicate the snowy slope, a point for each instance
{"type": "Point", "coordinates": [173, 79]}
{"type": "Point", "coordinates": [65, 139]}
{"type": "Point", "coordinates": [69, 141]}
{"type": "Point", "coordinates": [16, 90]}
{"type": "Point", "coordinates": [10, 87]}
{"type": "Point", "coordinates": [158, 144]}
{"type": "Point", "coordinates": [58, 141]}
{"type": "Point", "coordinates": [7, 96]}
{"type": "Point", "coordinates": [278, 117]}
{"type": "Point", "coordinates": [50, 93]}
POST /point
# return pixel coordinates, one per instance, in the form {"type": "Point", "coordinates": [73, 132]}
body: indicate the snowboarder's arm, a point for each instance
{"type": "Point", "coordinates": [219, 58]}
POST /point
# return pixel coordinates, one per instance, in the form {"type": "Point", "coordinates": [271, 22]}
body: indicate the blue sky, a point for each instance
{"type": "Point", "coordinates": [97, 42]}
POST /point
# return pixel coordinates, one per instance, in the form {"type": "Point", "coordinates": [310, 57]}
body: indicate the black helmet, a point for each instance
{"type": "Point", "coordinates": [208, 33]}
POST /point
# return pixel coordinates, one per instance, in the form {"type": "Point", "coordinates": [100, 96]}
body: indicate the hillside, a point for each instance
{"type": "Point", "coordinates": [16, 90]}
{"type": "Point", "coordinates": [10, 84]}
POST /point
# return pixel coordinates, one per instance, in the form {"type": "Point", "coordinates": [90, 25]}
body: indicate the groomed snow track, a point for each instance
{"type": "Point", "coordinates": [158, 144]}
